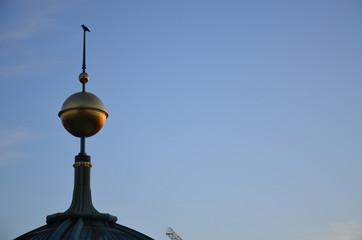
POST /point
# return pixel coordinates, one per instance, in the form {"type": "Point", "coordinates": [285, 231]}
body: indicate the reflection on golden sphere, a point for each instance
{"type": "Point", "coordinates": [83, 114]}
{"type": "Point", "coordinates": [84, 77]}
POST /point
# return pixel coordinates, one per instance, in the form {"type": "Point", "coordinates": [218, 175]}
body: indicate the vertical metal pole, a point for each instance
{"type": "Point", "coordinates": [83, 67]}
{"type": "Point", "coordinates": [82, 146]}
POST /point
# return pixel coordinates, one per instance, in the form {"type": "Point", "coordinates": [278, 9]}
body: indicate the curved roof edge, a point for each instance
{"type": "Point", "coordinates": [83, 229]}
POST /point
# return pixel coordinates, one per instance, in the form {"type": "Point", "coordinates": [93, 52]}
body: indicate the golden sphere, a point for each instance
{"type": "Point", "coordinates": [83, 114]}
{"type": "Point", "coordinates": [83, 77]}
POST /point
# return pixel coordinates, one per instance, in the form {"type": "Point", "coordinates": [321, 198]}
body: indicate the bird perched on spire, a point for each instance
{"type": "Point", "coordinates": [85, 28]}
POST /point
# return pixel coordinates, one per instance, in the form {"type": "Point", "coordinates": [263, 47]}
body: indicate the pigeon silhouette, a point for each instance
{"type": "Point", "coordinates": [85, 28]}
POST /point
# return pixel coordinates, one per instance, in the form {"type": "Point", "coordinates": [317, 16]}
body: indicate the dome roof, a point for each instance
{"type": "Point", "coordinates": [83, 228]}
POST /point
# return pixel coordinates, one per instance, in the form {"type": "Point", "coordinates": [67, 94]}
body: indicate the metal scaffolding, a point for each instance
{"type": "Point", "coordinates": [171, 234]}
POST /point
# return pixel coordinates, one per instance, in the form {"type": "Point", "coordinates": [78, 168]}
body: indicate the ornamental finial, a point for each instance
{"type": "Point", "coordinates": [84, 77]}
{"type": "Point", "coordinates": [83, 114]}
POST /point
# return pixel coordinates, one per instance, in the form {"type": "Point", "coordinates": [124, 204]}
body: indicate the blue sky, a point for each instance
{"type": "Point", "coordinates": [228, 119]}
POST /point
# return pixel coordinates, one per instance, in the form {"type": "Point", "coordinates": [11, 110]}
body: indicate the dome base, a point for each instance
{"type": "Point", "coordinates": [94, 216]}
{"type": "Point", "coordinates": [79, 228]}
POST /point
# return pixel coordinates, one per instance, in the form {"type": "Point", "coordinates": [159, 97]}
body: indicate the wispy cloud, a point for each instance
{"type": "Point", "coordinates": [20, 35]}
{"type": "Point", "coordinates": [10, 158]}
{"type": "Point", "coordinates": [33, 67]}
{"type": "Point", "coordinates": [24, 28]}
{"type": "Point", "coordinates": [351, 230]}
{"type": "Point", "coordinates": [9, 143]}
{"type": "Point", "coordinates": [14, 137]}
{"type": "Point", "coordinates": [33, 19]}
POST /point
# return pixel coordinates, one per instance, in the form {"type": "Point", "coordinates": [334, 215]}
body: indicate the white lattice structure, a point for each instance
{"type": "Point", "coordinates": [171, 234]}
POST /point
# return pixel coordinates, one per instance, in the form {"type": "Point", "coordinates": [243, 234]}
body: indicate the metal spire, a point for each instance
{"type": "Point", "coordinates": [82, 139]}
{"type": "Point", "coordinates": [85, 29]}
{"type": "Point", "coordinates": [83, 115]}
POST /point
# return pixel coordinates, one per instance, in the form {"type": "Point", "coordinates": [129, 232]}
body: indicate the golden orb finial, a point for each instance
{"type": "Point", "coordinates": [84, 77]}
{"type": "Point", "coordinates": [83, 114]}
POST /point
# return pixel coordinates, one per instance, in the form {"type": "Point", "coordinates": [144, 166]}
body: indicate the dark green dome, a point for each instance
{"type": "Point", "coordinates": [83, 228]}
